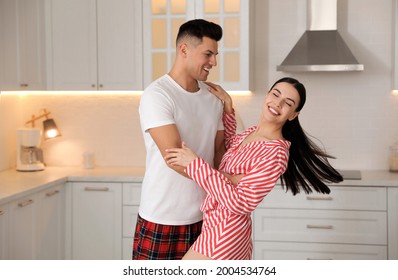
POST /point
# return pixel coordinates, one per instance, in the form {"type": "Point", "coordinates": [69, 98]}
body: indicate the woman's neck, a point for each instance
{"type": "Point", "coordinates": [268, 131]}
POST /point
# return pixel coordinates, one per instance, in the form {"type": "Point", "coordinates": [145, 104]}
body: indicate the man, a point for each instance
{"type": "Point", "coordinates": [178, 108]}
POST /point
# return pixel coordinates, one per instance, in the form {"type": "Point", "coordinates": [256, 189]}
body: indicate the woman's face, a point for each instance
{"type": "Point", "coordinates": [281, 103]}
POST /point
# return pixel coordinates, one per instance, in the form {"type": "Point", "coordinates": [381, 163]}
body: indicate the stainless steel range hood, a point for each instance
{"type": "Point", "coordinates": [321, 48]}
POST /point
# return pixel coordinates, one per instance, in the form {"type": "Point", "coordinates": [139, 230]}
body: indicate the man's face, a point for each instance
{"type": "Point", "coordinates": [201, 57]}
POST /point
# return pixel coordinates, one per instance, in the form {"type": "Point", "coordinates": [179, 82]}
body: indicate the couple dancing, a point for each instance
{"type": "Point", "coordinates": [225, 175]}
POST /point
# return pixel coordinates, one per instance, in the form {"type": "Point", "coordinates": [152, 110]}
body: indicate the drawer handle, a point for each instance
{"type": "Point", "coordinates": [310, 259]}
{"type": "Point", "coordinates": [96, 189]}
{"type": "Point", "coordinates": [52, 193]}
{"type": "Point", "coordinates": [320, 226]}
{"type": "Point", "coordinates": [25, 203]}
{"type": "Point", "coordinates": [319, 198]}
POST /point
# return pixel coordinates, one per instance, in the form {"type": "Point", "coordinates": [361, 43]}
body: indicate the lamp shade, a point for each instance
{"type": "Point", "coordinates": [50, 129]}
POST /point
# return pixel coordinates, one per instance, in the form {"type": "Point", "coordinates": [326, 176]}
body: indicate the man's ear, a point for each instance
{"type": "Point", "coordinates": [183, 48]}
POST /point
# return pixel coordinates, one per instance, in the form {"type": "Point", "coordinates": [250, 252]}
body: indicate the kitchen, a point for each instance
{"type": "Point", "coordinates": [359, 108]}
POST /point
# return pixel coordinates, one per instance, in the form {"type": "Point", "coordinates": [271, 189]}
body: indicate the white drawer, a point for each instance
{"type": "Point", "coordinates": [317, 251]}
{"type": "Point", "coordinates": [129, 220]}
{"type": "Point", "coordinates": [341, 197]}
{"type": "Point", "coordinates": [330, 226]}
{"type": "Point", "coordinates": [131, 193]}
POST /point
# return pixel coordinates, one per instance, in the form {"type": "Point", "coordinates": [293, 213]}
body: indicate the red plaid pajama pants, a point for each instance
{"type": "Point", "coordinates": [163, 242]}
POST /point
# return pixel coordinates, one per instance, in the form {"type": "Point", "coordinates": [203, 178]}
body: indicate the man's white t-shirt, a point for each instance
{"type": "Point", "coordinates": [168, 197]}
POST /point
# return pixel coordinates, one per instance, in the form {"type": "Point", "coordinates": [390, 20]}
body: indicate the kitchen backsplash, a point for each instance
{"type": "Point", "coordinates": [353, 114]}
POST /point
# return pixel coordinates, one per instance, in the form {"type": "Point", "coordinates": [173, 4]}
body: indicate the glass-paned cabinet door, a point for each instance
{"type": "Point", "coordinates": [162, 18]}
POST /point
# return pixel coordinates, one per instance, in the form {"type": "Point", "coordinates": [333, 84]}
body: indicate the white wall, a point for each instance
{"type": "Point", "coordinates": [105, 124]}
{"type": "Point", "coordinates": [352, 114]}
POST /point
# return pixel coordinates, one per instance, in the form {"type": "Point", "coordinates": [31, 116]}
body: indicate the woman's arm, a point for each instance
{"type": "Point", "coordinates": [252, 187]}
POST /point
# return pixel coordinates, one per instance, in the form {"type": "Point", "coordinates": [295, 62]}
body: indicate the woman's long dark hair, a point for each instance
{"type": "Point", "coordinates": [308, 165]}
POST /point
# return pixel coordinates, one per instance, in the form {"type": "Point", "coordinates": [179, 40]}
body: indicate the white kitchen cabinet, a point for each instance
{"type": "Point", "coordinates": [317, 251]}
{"type": "Point", "coordinates": [96, 220]}
{"type": "Point", "coordinates": [4, 231]}
{"type": "Point", "coordinates": [392, 223]}
{"type": "Point", "coordinates": [131, 201]}
{"type": "Point", "coordinates": [22, 50]}
{"type": "Point", "coordinates": [96, 44]}
{"type": "Point", "coordinates": [162, 20]}
{"type": "Point", "coordinates": [22, 228]}
{"type": "Point", "coordinates": [51, 224]}
{"type": "Point", "coordinates": [36, 225]}
{"type": "Point", "coordinates": [349, 223]}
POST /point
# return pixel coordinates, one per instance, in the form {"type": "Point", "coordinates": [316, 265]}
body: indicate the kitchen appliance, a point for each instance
{"type": "Point", "coordinates": [29, 155]}
{"type": "Point", "coordinates": [321, 47]}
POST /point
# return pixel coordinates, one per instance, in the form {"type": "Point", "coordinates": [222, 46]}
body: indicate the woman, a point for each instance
{"type": "Point", "coordinates": [276, 148]}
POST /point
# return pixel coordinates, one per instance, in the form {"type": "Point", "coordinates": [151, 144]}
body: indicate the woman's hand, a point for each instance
{"type": "Point", "coordinates": [180, 156]}
{"type": "Point", "coordinates": [235, 179]}
{"type": "Point", "coordinates": [222, 95]}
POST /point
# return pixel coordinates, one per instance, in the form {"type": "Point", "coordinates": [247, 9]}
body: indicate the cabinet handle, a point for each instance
{"type": "Point", "coordinates": [52, 193]}
{"type": "Point", "coordinates": [25, 203]}
{"type": "Point", "coordinates": [101, 86]}
{"type": "Point", "coordinates": [319, 198]}
{"type": "Point", "coordinates": [320, 226]}
{"type": "Point", "coordinates": [24, 85]}
{"type": "Point", "coordinates": [319, 259]}
{"type": "Point", "coordinates": [96, 189]}
{"type": "Point", "coordinates": [1, 212]}
{"type": "Point", "coordinates": [93, 85]}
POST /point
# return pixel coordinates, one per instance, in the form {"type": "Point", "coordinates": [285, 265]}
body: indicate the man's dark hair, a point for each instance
{"type": "Point", "coordinates": [200, 28]}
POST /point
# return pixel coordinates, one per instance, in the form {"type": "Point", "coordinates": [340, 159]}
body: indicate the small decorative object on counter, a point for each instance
{"type": "Point", "coordinates": [394, 158]}
{"type": "Point", "coordinates": [88, 160]}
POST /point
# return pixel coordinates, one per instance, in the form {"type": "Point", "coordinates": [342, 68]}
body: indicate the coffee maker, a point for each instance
{"type": "Point", "coordinates": [29, 155]}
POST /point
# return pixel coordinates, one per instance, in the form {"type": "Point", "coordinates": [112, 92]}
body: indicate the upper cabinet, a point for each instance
{"type": "Point", "coordinates": [96, 44]}
{"type": "Point", "coordinates": [22, 48]}
{"type": "Point", "coordinates": [162, 19]}
{"type": "Point", "coordinates": [112, 45]}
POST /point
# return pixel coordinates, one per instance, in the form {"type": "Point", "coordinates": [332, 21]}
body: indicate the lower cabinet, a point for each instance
{"type": "Point", "coordinates": [131, 201]}
{"type": "Point", "coordinates": [4, 231]}
{"type": "Point", "coordinates": [349, 223]}
{"type": "Point", "coordinates": [96, 221]}
{"type": "Point", "coordinates": [317, 251]}
{"type": "Point", "coordinates": [102, 219]}
{"type": "Point", "coordinates": [36, 226]}
{"type": "Point", "coordinates": [50, 239]}
{"type": "Point", "coordinates": [392, 223]}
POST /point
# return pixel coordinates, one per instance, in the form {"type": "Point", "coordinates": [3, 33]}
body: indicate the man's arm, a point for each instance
{"type": "Point", "coordinates": [219, 148]}
{"type": "Point", "coordinates": [166, 137]}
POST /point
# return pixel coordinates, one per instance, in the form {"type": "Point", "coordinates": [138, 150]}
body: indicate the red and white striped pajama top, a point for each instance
{"type": "Point", "coordinates": [227, 226]}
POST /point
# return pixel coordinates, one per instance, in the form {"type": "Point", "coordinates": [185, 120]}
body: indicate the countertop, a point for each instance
{"type": "Point", "coordinates": [14, 184]}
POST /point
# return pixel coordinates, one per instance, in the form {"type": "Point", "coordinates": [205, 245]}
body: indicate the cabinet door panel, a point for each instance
{"type": "Point", "coordinates": [131, 193]}
{"type": "Point", "coordinates": [74, 44]}
{"type": "Point", "coordinates": [22, 28]}
{"type": "Point", "coordinates": [96, 221]}
{"type": "Point", "coordinates": [119, 45]}
{"type": "Point", "coordinates": [129, 220]}
{"type": "Point", "coordinates": [356, 227]}
{"type": "Point", "coordinates": [4, 231]}
{"type": "Point", "coordinates": [50, 226]}
{"type": "Point", "coordinates": [317, 251]}
{"type": "Point", "coordinates": [340, 198]}
{"type": "Point", "coordinates": [393, 223]}
{"type": "Point", "coordinates": [22, 235]}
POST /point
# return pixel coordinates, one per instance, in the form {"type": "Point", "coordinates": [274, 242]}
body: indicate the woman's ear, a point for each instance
{"type": "Point", "coordinates": [294, 116]}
